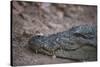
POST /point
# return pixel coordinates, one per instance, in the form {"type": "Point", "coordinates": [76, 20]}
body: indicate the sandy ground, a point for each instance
{"type": "Point", "coordinates": [30, 19]}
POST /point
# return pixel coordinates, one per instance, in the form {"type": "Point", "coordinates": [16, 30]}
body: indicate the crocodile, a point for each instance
{"type": "Point", "coordinates": [78, 43]}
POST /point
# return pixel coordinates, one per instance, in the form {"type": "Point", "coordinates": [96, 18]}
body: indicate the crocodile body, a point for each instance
{"type": "Point", "coordinates": [69, 44]}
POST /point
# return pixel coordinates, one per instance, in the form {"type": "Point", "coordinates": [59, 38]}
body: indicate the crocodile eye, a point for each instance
{"type": "Point", "coordinates": [39, 36]}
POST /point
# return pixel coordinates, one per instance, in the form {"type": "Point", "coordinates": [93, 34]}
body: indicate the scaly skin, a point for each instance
{"type": "Point", "coordinates": [71, 40]}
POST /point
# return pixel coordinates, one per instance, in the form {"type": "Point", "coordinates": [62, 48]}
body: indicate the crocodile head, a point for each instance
{"type": "Point", "coordinates": [37, 42]}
